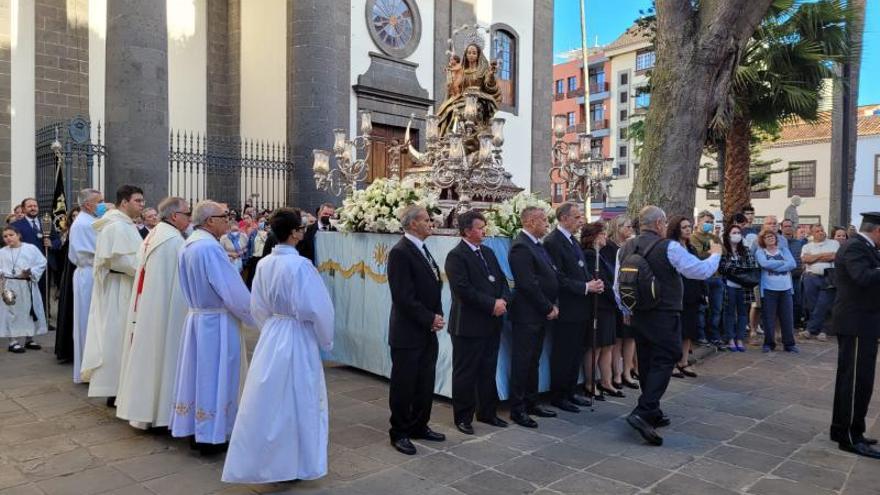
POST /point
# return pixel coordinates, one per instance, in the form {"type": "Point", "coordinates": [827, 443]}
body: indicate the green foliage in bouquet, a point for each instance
{"type": "Point", "coordinates": [503, 219]}
{"type": "Point", "coordinates": [378, 207]}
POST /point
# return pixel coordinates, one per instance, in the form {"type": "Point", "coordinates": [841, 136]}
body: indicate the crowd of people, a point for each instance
{"type": "Point", "coordinates": [152, 302]}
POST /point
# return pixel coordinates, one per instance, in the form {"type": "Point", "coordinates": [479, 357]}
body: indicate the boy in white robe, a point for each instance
{"type": "Point", "coordinates": [82, 254]}
{"type": "Point", "coordinates": [115, 264]}
{"type": "Point", "coordinates": [21, 266]}
{"type": "Point", "coordinates": [281, 432]}
{"type": "Point", "coordinates": [155, 322]}
{"type": "Point", "coordinates": [212, 351]}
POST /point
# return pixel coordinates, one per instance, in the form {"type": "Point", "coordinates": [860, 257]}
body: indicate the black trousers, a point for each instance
{"type": "Point", "coordinates": [658, 346]}
{"type": "Point", "coordinates": [528, 342]}
{"type": "Point", "coordinates": [566, 357]}
{"type": "Point", "coordinates": [411, 393]}
{"type": "Point", "coordinates": [856, 361]}
{"type": "Point", "coordinates": [474, 364]}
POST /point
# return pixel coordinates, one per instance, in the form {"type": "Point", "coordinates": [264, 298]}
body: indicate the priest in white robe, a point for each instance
{"type": "Point", "coordinates": [115, 265]}
{"type": "Point", "coordinates": [212, 352]}
{"type": "Point", "coordinates": [82, 254]}
{"type": "Point", "coordinates": [21, 266]}
{"type": "Point", "coordinates": [155, 322]}
{"type": "Point", "coordinates": [282, 428]}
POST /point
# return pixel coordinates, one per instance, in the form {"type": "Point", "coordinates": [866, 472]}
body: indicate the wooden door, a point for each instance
{"type": "Point", "coordinates": [384, 137]}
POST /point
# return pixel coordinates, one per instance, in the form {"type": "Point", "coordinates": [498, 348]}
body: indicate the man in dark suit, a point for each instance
{"type": "Point", "coordinates": [856, 319]}
{"type": "Point", "coordinates": [533, 311]}
{"type": "Point", "coordinates": [307, 247]}
{"type": "Point", "coordinates": [32, 233]}
{"type": "Point", "coordinates": [416, 317]}
{"type": "Point", "coordinates": [479, 301]}
{"type": "Point", "coordinates": [575, 307]}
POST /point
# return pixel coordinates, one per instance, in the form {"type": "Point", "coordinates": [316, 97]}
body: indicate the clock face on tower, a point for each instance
{"type": "Point", "coordinates": [394, 25]}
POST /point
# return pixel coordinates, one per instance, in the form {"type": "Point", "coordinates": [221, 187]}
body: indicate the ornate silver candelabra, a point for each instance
{"type": "Point", "coordinates": [576, 166]}
{"type": "Point", "coordinates": [350, 169]}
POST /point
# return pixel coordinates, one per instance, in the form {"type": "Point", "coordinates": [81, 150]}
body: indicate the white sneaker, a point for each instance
{"type": "Point", "coordinates": [759, 330]}
{"type": "Point", "coordinates": [822, 337]}
{"type": "Point", "coordinates": [806, 335]}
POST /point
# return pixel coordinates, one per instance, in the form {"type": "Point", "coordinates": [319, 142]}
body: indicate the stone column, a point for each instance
{"type": "Point", "coordinates": [318, 88]}
{"type": "Point", "coordinates": [542, 96]}
{"type": "Point", "coordinates": [5, 104]}
{"type": "Point", "coordinates": [136, 102]}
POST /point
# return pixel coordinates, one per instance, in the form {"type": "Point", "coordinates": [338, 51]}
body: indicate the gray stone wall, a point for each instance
{"type": "Point", "coordinates": [136, 102]}
{"type": "Point", "coordinates": [224, 83]}
{"type": "Point", "coordinates": [318, 87]}
{"type": "Point", "coordinates": [448, 15]}
{"type": "Point", "coordinates": [5, 103]}
{"type": "Point", "coordinates": [62, 60]}
{"type": "Point", "coordinates": [542, 96]}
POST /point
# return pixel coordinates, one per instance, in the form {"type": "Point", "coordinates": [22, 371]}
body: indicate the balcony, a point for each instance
{"type": "Point", "coordinates": [558, 96]}
{"type": "Point", "coordinates": [600, 87]}
{"type": "Point", "coordinates": [599, 124]}
{"type": "Point", "coordinates": [575, 93]}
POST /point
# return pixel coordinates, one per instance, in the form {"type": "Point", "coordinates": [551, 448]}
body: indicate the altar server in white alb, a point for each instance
{"type": "Point", "coordinates": [21, 266]}
{"type": "Point", "coordinates": [82, 254]}
{"type": "Point", "coordinates": [155, 322]}
{"type": "Point", "coordinates": [115, 264]}
{"type": "Point", "coordinates": [212, 354]}
{"type": "Point", "coordinates": [281, 432]}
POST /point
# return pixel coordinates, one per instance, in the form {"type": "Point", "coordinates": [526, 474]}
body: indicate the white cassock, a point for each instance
{"type": "Point", "coordinates": [282, 428]}
{"type": "Point", "coordinates": [212, 355]}
{"type": "Point", "coordinates": [81, 253]}
{"type": "Point", "coordinates": [16, 320]}
{"type": "Point", "coordinates": [116, 250]}
{"type": "Point", "coordinates": [152, 340]}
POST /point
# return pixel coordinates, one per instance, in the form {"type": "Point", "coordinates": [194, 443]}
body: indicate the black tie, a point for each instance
{"type": "Point", "coordinates": [485, 265]}
{"type": "Point", "coordinates": [36, 227]}
{"type": "Point", "coordinates": [431, 261]}
{"type": "Point", "coordinates": [544, 253]}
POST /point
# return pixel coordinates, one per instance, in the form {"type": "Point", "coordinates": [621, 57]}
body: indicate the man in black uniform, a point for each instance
{"type": "Point", "coordinates": [856, 319]}
{"type": "Point", "coordinates": [658, 330]}
{"type": "Point", "coordinates": [416, 317]}
{"type": "Point", "coordinates": [479, 301]}
{"type": "Point", "coordinates": [532, 312]}
{"type": "Point", "coordinates": [575, 307]}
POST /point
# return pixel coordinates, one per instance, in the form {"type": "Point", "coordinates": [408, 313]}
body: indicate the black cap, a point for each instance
{"type": "Point", "coordinates": [872, 217]}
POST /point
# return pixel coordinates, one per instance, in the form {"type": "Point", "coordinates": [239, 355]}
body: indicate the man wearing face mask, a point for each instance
{"type": "Point", "coordinates": [307, 247]}
{"type": "Point", "coordinates": [702, 240]}
{"type": "Point", "coordinates": [82, 254]}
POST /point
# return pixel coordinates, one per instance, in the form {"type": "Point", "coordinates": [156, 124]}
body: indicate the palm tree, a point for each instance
{"type": "Point", "coordinates": [779, 78]}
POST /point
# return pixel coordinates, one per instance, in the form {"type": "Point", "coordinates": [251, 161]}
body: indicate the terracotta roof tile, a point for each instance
{"type": "Point", "coordinates": [801, 132]}
{"type": "Point", "coordinates": [632, 36]}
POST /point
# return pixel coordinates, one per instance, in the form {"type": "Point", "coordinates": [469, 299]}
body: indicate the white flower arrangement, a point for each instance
{"type": "Point", "coordinates": [503, 219]}
{"type": "Point", "coordinates": [378, 207]}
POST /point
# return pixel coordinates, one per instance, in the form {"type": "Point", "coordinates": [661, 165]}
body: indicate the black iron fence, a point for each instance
{"type": "Point", "coordinates": [228, 169]}
{"type": "Point", "coordinates": [79, 149]}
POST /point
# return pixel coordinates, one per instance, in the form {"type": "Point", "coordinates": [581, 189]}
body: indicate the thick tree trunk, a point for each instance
{"type": "Point", "coordinates": [844, 124]}
{"type": "Point", "coordinates": [737, 167]}
{"type": "Point", "coordinates": [697, 51]}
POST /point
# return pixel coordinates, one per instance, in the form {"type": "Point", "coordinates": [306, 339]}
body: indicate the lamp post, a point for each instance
{"type": "Point", "coordinates": [577, 167]}
{"type": "Point", "coordinates": [349, 170]}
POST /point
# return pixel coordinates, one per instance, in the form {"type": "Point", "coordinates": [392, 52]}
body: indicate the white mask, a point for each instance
{"type": "Point", "coordinates": [736, 238]}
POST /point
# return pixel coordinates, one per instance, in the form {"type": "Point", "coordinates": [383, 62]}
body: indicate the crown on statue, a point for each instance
{"type": "Point", "coordinates": [467, 35]}
{"type": "Point", "coordinates": [474, 38]}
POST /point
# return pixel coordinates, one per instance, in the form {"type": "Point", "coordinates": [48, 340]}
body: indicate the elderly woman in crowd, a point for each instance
{"type": "Point", "coordinates": [776, 290]}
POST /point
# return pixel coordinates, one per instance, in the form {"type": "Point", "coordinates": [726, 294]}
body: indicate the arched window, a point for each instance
{"type": "Point", "coordinates": [504, 49]}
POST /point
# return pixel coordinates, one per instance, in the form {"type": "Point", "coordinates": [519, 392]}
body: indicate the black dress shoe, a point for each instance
{"type": "Point", "coordinates": [861, 448]}
{"type": "Point", "coordinates": [495, 421]}
{"type": "Point", "coordinates": [404, 446]}
{"type": "Point", "coordinates": [430, 435]}
{"type": "Point", "coordinates": [32, 345]}
{"type": "Point", "coordinates": [661, 421]}
{"type": "Point", "coordinates": [523, 420]}
{"type": "Point", "coordinates": [610, 391]}
{"type": "Point", "coordinates": [565, 406]}
{"type": "Point", "coordinates": [632, 385]}
{"type": "Point", "coordinates": [869, 441]}
{"type": "Point", "coordinates": [465, 428]}
{"type": "Point", "coordinates": [579, 400]}
{"type": "Point", "coordinates": [111, 402]}
{"type": "Point", "coordinates": [645, 430]}
{"type": "Point", "coordinates": [541, 412]}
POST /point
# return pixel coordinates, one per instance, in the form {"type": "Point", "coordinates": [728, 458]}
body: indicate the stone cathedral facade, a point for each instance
{"type": "Point", "coordinates": [269, 71]}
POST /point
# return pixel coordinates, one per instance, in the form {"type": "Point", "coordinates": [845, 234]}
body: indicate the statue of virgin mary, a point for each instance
{"type": "Point", "coordinates": [473, 75]}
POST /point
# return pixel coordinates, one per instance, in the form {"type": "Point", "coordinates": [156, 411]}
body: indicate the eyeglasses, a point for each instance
{"type": "Point", "coordinates": [225, 215]}
{"type": "Point", "coordinates": [185, 213]}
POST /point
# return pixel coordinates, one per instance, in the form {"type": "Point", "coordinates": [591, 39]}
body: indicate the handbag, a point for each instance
{"type": "Point", "coordinates": [830, 276]}
{"type": "Point", "coordinates": [746, 277]}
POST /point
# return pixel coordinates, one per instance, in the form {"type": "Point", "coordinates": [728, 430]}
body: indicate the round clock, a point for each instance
{"type": "Point", "coordinates": [394, 25]}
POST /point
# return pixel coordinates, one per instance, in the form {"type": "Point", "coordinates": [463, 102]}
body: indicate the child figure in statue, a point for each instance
{"type": "Point", "coordinates": [473, 75]}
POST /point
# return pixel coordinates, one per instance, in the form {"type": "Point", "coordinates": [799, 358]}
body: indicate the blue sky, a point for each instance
{"type": "Point", "coordinates": [607, 19]}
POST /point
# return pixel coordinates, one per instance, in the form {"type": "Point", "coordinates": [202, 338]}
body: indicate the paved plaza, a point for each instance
{"type": "Point", "coordinates": [751, 423]}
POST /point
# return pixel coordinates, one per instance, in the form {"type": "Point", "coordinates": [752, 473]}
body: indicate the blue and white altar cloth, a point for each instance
{"type": "Point", "coordinates": [353, 267]}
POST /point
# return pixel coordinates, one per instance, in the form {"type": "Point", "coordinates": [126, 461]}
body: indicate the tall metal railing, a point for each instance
{"type": "Point", "coordinates": [228, 169]}
{"type": "Point", "coordinates": [79, 148]}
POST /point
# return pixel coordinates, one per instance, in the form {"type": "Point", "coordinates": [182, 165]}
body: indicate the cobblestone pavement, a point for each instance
{"type": "Point", "coordinates": [751, 423]}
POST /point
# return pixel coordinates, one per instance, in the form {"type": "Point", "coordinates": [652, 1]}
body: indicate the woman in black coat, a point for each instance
{"type": "Point", "coordinates": [679, 229]}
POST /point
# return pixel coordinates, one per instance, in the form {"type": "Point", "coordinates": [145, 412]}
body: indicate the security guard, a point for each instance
{"type": "Point", "coordinates": [857, 323]}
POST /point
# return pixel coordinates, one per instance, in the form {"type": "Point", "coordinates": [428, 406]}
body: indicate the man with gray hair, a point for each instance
{"type": "Point", "coordinates": [150, 218]}
{"type": "Point", "coordinates": [81, 252]}
{"type": "Point", "coordinates": [416, 316]}
{"type": "Point", "coordinates": [155, 322]}
{"type": "Point", "coordinates": [657, 323]}
{"type": "Point", "coordinates": [212, 357]}
{"type": "Point", "coordinates": [856, 319]}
